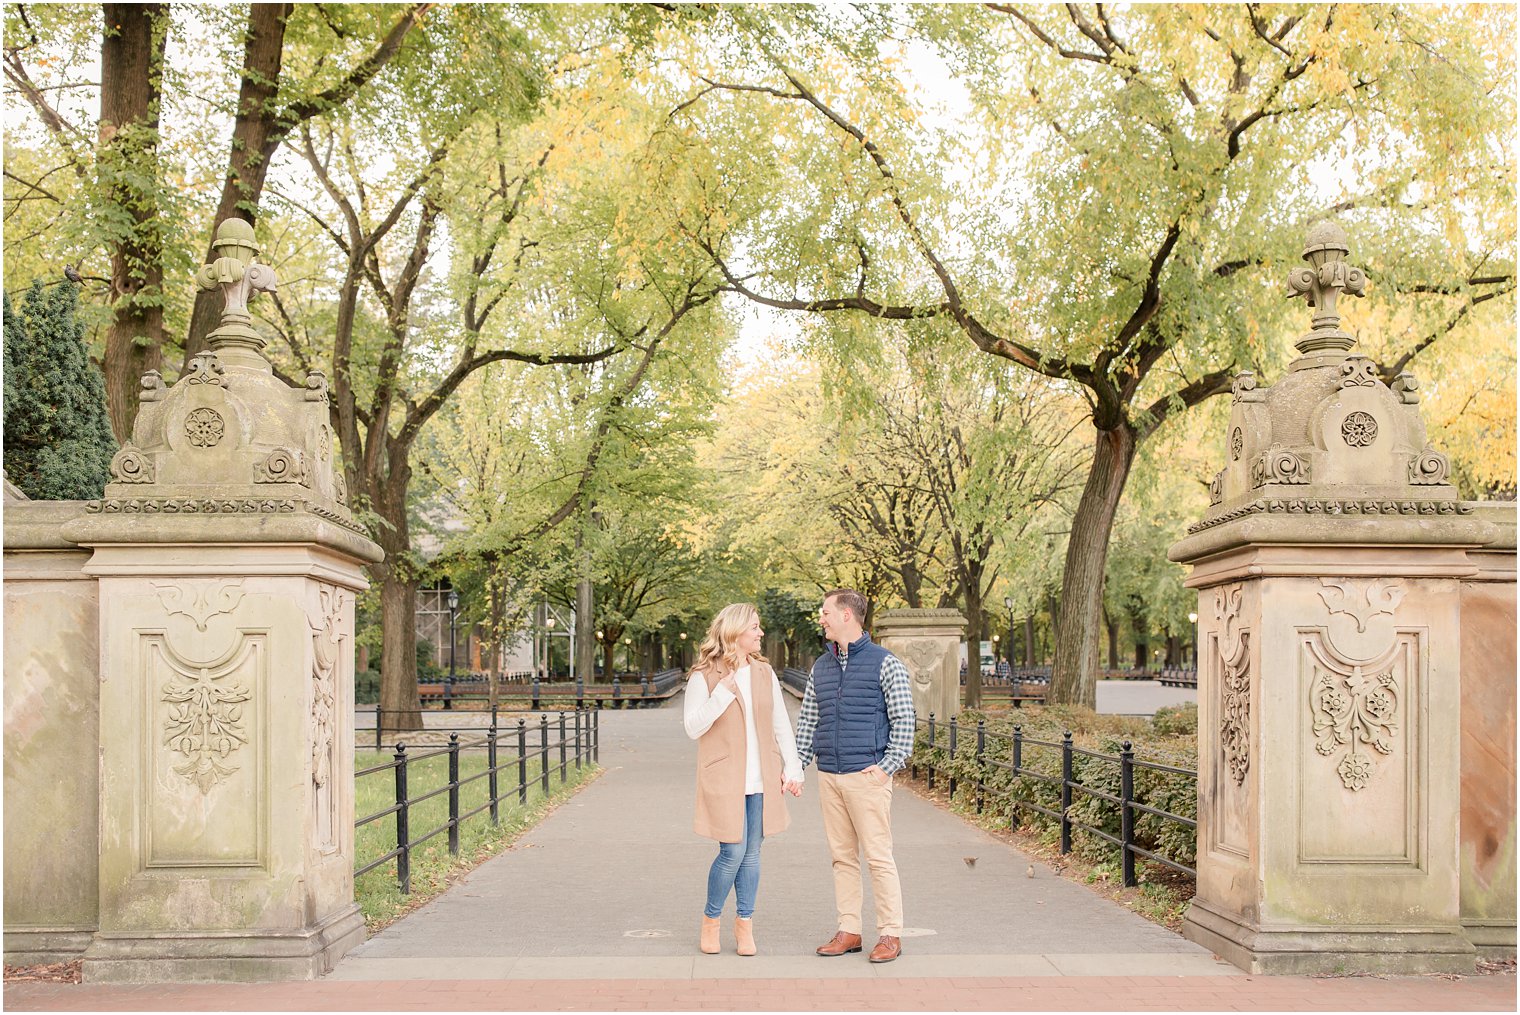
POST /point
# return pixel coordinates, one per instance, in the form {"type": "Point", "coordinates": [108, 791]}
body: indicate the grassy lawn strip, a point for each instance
{"type": "Point", "coordinates": [433, 869]}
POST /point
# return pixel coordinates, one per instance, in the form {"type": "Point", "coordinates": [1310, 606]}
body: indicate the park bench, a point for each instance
{"type": "Point", "coordinates": [633, 692]}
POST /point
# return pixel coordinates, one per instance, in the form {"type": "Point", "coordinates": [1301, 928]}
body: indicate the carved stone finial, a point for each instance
{"type": "Point", "coordinates": [1407, 388]}
{"type": "Point", "coordinates": [152, 386]}
{"type": "Point", "coordinates": [316, 386]}
{"type": "Point", "coordinates": [239, 277]}
{"type": "Point", "coordinates": [1328, 275]}
{"type": "Point", "coordinates": [1245, 389]}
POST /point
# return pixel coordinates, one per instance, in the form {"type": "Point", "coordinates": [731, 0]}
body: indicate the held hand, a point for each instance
{"type": "Point", "coordinates": [794, 788]}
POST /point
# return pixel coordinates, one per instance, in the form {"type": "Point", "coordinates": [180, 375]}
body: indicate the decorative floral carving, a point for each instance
{"type": "Point", "coordinates": [1279, 466]}
{"type": "Point", "coordinates": [1237, 444]}
{"type": "Point", "coordinates": [131, 466]}
{"type": "Point", "coordinates": [206, 368]}
{"type": "Point", "coordinates": [1244, 388]}
{"type": "Point", "coordinates": [923, 657]}
{"type": "Point", "coordinates": [1358, 372]}
{"type": "Point", "coordinates": [1361, 599]}
{"type": "Point", "coordinates": [1216, 489]}
{"type": "Point", "coordinates": [1235, 684]}
{"type": "Point", "coordinates": [1405, 386]}
{"type": "Point", "coordinates": [1359, 429]}
{"type": "Point", "coordinates": [326, 642]}
{"type": "Point", "coordinates": [204, 428]}
{"type": "Point", "coordinates": [340, 487]}
{"type": "Point", "coordinates": [282, 465]}
{"type": "Point", "coordinates": [1359, 710]}
{"type": "Point", "coordinates": [190, 506]}
{"type": "Point", "coordinates": [200, 602]}
{"type": "Point", "coordinates": [205, 724]}
{"type": "Point", "coordinates": [151, 386]}
{"type": "Point", "coordinates": [1430, 468]}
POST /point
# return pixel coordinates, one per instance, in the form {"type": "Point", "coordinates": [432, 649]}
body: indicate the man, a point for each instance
{"type": "Point", "coordinates": [857, 722]}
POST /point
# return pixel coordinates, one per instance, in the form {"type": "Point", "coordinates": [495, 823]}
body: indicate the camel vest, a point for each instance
{"type": "Point", "coordinates": [720, 763]}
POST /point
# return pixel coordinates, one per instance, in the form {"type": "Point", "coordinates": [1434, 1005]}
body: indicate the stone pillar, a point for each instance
{"type": "Point", "coordinates": [1488, 740]}
{"type": "Point", "coordinates": [228, 563]}
{"type": "Point", "coordinates": [52, 743]}
{"type": "Point", "coordinates": [1330, 570]}
{"type": "Point", "coordinates": [928, 642]}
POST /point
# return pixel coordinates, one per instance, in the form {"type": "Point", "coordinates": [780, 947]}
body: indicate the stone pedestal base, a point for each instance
{"type": "Point", "coordinates": [242, 956]}
{"type": "Point", "coordinates": [35, 946]}
{"type": "Point", "coordinates": [1303, 951]}
{"type": "Point", "coordinates": [1493, 939]}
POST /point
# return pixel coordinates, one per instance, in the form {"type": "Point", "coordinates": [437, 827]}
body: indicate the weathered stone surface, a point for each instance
{"type": "Point", "coordinates": [1488, 741]}
{"type": "Point", "coordinates": [51, 737]}
{"type": "Point", "coordinates": [928, 642]}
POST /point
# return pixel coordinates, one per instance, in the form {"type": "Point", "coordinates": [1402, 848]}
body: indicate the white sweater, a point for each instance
{"type": "Point", "coordinates": [703, 709]}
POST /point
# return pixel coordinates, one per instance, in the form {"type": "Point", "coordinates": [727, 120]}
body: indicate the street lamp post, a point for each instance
{"type": "Point", "coordinates": [683, 650]}
{"type": "Point", "coordinates": [448, 687]}
{"type": "Point", "coordinates": [628, 654]}
{"type": "Point", "coordinates": [1193, 619]}
{"type": "Point", "coordinates": [599, 643]}
{"type": "Point", "coordinates": [1008, 605]}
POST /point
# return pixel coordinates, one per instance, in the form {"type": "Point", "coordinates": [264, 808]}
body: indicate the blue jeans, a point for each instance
{"type": "Point", "coordinates": [737, 866]}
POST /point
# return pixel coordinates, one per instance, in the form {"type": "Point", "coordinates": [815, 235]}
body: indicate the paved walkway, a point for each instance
{"type": "Point", "coordinates": [598, 908]}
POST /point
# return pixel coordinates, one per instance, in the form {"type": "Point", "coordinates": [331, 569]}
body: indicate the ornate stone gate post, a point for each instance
{"type": "Point", "coordinates": [1329, 572]}
{"type": "Point", "coordinates": [928, 643]}
{"type": "Point", "coordinates": [227, 565]}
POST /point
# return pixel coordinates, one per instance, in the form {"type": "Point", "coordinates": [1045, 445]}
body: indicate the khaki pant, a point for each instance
{"type": "Point", "coordinates": [857, 815]}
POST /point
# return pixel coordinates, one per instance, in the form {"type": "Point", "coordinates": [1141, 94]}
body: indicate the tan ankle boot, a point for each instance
{"type": "Point", "coordinates": [744, 933]}
{"type": "Point", "coordinates": [710, 927]}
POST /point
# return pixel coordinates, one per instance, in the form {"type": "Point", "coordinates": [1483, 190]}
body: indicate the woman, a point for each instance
{"type": "Point", "coordinates": [746, 757]}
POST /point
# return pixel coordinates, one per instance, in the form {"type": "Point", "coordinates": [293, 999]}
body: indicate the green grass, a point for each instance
{"type": "Point", "coordinates": [433, 868]}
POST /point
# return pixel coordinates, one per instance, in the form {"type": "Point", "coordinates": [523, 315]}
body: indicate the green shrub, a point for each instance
{"type": "Point", "coordinates": [1172, 742]}
{"type": "Point", "coordinates": [1176, 720]}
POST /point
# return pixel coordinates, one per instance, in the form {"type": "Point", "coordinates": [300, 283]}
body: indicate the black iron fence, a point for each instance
{"type": "Point", "coordinates": [638, 691]}
{"type": "Point", "coordinates": [1117, 812]}
{"type": "Point", "coordinates": [529, 757]}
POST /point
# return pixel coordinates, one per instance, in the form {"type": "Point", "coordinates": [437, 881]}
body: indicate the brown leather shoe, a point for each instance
{"type": "Point", "coordinates": [887, 949]}
{"type": "Point", "coordinates": [841, 944]}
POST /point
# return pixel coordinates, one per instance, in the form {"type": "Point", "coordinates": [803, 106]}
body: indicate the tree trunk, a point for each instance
{"type": "Point", "coordinates": [609, 646]}
{"type": "Point", "coordinates": [1113, 641]}
{"type": "Point", "coordinates": [1074, 680]}
{"type": "Point", "coordinates": [585, 635]}
{"type": "Point", "coordinates": [1173, 650]}
{"type": "Point", "coordinates": [974, 630]}
{"type": "Point", "coordinates": [131, 63]}
{"type": "Point", "coordinates": [252, 132]}
{"type": "Point", "coordinates": [400, 704]}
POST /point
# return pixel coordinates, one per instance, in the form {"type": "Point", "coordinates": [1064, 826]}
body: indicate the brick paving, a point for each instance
{"type": "Point", "coordinates": [1070, 993]}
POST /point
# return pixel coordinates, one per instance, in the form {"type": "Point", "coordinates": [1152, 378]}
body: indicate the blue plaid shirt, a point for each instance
{"type": "Point", "coordinates": [898, 692]}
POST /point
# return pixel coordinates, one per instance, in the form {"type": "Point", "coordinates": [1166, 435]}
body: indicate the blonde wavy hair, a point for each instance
{"type": "Point", "coordinates": [722, 641]}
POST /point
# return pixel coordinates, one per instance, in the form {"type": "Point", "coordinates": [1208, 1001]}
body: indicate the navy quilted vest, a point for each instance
{"type": "Point", "coordinates": [852, 729]}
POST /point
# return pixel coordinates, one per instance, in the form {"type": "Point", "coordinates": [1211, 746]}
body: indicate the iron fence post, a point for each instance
{"type": "Point", "coordinates": [491, 766]}
{"type": "Point", "coordinates": [543, 751]}
{"type": "Point", "coordinates": [448, 692]}
{"type": "Point", "coordinates": [981, 750]}
{"type": "Point", "coordinates": [932, 746]}
{"type": "Point", "coordinates": [535, 692]}
{"type": "Point", "coordinates": [953, 727]}
{"type": "Point", "coordinates": [1066, 759]}
{"type": "Point", "coordinates": [562, 766]}
{"type": "Point", "coordinates": [579, 746]}
{"type": "Point", "coordinates": [596, 739]}
{"type": "Point", "coordinates": [378, 745]}
{"type": "Point", "coordinates": [522, 761]}
{"type": "Point", "coordinates": [403, 833]}
{"type": "Point", "coordinates": [643, 687]}
{"type": "Point", "coordinates": [1126, 816]}
{"type": "Point", "coordinates": [617, 692]}
{"type": "Point", "coordinates": [453, 794]}
{"type": "Point", "coordinates": [1018, 748]}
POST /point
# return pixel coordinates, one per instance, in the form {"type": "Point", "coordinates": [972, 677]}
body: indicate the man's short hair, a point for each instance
{"type": "Point", "coordinates": [850, 600]}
